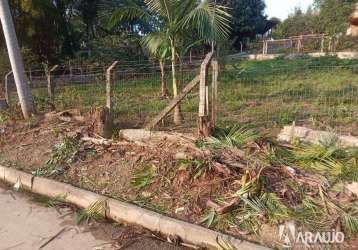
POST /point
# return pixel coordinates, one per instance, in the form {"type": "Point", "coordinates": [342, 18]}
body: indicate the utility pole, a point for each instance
{"type": "Point", "coordinates": [17, 65]}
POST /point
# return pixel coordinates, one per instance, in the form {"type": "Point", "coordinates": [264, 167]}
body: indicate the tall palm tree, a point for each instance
{"type": "Point", "coordinates": [171, 20]}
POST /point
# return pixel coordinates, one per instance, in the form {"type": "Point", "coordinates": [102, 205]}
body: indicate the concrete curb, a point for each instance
{"type": "Point", "coordinates": [124, 212]}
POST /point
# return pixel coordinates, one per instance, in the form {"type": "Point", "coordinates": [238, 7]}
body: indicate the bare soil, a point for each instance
{"type": "Point", "coordinates": [110, 169]}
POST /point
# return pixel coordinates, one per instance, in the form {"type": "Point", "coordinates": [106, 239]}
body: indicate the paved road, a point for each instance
{"type": "Point", "coordinates": [27, 225]}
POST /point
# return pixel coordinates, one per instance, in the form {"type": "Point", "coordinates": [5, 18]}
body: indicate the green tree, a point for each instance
{"type": "Point", "coordinates": [171, 20]}
{"type": "Point", "coordinates": [334, 15]}
{"type": "Point", "coordinates": [249, 18]}
{"type": "Point", "coordinates": [299, 23]}
{"type": "Point", "coordinates": [45, 27]}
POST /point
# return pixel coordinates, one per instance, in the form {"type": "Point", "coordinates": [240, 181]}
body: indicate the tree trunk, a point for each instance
{"type": "Point", "coordinates": [23, 89]}
{"type": "Point", "coordinates": [177, 111]}
{"type": "Point", "coordinates": [164, 91]}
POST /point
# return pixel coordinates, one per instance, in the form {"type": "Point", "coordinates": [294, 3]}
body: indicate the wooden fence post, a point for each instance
{"type": "Point", "coordinates": [30, 76]}
{"type": "Point", "coordinates": [299, 45]}
{"type": "Point", "coordinates": [109, 86]}
{"type": "Point", "coordinates": [70, 71]}
{"type": "Point", "coordinates": [205, 127]}
{"type": "Point", "coordinates": [106, 114]}
{"type": "Point", "coordinates": [7, 89]}
{"type": "Point", "coordinates": [215, 88]}
{"type": "Point", "coordinates": [51, 84]}
{"type": "Point", "coordinates": [264, 47]}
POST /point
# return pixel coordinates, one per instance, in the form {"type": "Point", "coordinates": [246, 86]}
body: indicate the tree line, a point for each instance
{"type": "Point", "coordinates": [330, 17]}
{"type": "Point", "coordinates": [58, 30]}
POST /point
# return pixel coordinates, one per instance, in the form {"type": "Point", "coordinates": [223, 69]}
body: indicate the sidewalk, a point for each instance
{"type": "Point", "coordinates": [26, 225]}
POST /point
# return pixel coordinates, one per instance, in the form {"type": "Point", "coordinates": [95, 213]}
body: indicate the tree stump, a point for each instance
{"type": "Point", "coordinates": [102, 122]}
{"type": "Point", "coordinates": [3, 104]}
{"type": "Point", "coordinates": [205, 128]}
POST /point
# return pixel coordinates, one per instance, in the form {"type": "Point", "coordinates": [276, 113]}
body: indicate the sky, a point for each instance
{"type": "Point", "coordinates": [282, 8]}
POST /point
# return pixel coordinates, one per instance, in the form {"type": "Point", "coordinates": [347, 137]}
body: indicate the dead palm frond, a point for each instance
{"type": "Point", "coordinates": [95, 211]}
{"type": "Point", "coordinates": [197, 167]}
{"type": "Point", "coordinates": [224, 245]}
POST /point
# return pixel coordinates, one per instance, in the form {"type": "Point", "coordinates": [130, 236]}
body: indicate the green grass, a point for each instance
{"type": "Point", "coordinates": [320, 93]}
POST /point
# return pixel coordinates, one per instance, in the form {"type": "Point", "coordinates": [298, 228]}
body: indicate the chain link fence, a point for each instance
{"type": "Point", "coordinates": [266, 97]}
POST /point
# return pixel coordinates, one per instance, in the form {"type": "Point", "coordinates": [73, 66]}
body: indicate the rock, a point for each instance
{"type": "Point", "coordinates": [182, 156]}
{"type": "Point", "coordinates": [135, 134]}
{"type": "Point", "coordinates": [102, 122]}
{"type": "Point", "coordinates": [288, 133]}
{"type": "Point", "coordinates": [352, 188]}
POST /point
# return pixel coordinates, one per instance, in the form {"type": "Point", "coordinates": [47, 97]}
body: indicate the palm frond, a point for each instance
{"type": "Point", "coordinates": [330, 166]}
{"type": "Point", "coordinates": [128, 13]}
{"type": "Point", "coordinates": [350, 223]}
{"type": "Point", "coordinates": [312, 152]}
{"type": "Point", "coordinates": [235, 136]}
{"type": "Point", "coordinates": [95, 211]}
{"type": "Point", "coordinates": [224, 245]}
{"type": "Point", "coordinates": [211, 21]}
{"type": "Point", "coordinates": [144, 177]}
{"type": "Point", "coordinates": [276, 210]}
{"type": "Point", "coordinates": [209, 219]}
{"type": "Point", "coordinates": [164, 8]}
{"type": "Point", "coordinates": [157, 44]}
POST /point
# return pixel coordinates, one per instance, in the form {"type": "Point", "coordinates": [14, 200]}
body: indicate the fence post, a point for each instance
{"type": "Point", "coordinates": [205, 128]}
{"type": "Point", "coordinates": [51, 84]}
{"type": "Point", "coordinates": [70, 71]}
{"type": "Point", "coordinates": [7, 89]}
{"type": "Point", "coordinates": [30, 75]}
{"type": "Point", "coordinates": [215, 87]}
{"type": "Point", "coordinates": [264, 47]}
{"type": "Point", "coordinates": [299, 45]}
{"type": "Point", "coordinates": [105, 114]}
{"type": "Point", "coordinates": [109, 85]}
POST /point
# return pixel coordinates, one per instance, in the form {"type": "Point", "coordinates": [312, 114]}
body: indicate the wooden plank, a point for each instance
{"type": "Point", "coordinates": [173, 103]}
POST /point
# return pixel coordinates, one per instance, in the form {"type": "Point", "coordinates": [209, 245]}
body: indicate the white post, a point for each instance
{"type": "Point", "coordinates": [23, 89]}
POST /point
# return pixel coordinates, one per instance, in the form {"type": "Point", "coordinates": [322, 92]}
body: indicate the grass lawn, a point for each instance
{"type": "Point", "coordinates": [319, 93]}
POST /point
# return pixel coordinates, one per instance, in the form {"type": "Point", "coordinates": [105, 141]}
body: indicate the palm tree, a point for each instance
{"type": "Point", "coordinates": [172, 20]}
{"type": "Point", "coordinates": [161, 52]}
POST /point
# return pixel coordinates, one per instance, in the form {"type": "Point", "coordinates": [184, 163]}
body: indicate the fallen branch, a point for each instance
{"type": "Point", "coordinates": [225, 208]}
{"type": "Point", "coordinates": [52, 238]}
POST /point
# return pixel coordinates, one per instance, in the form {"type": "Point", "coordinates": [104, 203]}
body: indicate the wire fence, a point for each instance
{"type": "Point", "coordinates": [266, 97]}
